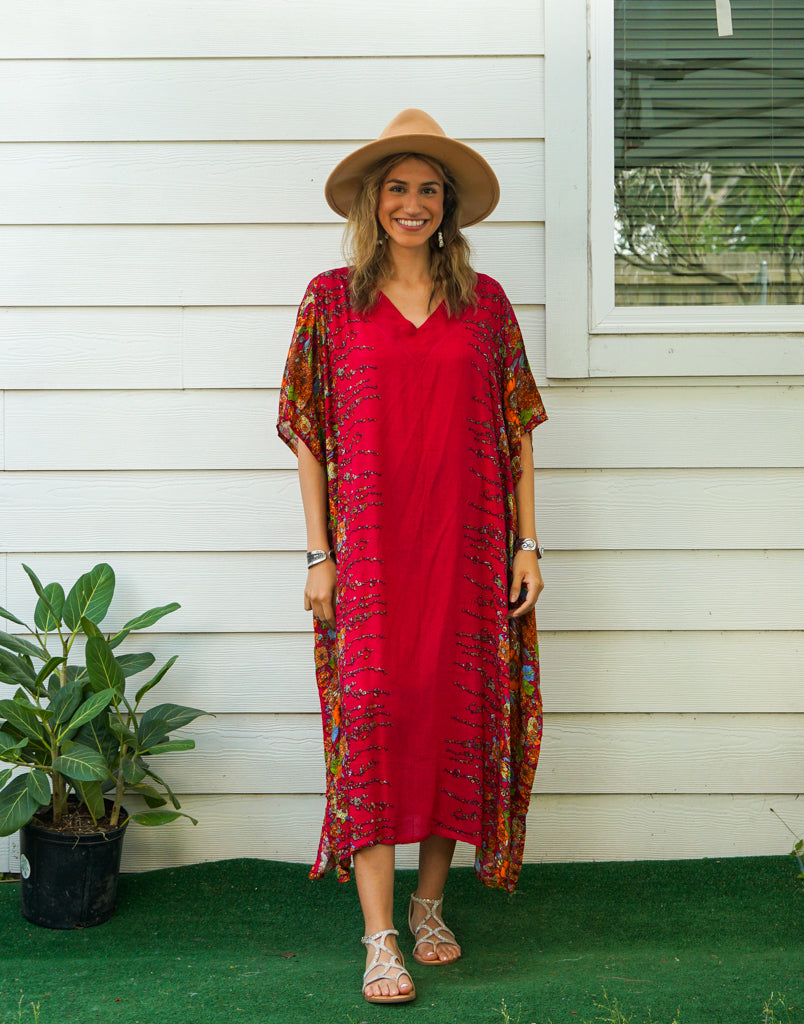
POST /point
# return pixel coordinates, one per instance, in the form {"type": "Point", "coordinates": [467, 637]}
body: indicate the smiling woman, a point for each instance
{"type": "Point", "coordinates": [409, 401]}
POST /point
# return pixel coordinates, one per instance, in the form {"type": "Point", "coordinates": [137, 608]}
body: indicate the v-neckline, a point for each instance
{"type": "Point", "coordinates": [410, 323]}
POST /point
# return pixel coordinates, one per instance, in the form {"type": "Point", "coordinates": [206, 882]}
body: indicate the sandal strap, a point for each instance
{"type": "Point", "coordinates": [431, 933]}
{"type": "Point", "coordinates": [394, 963]}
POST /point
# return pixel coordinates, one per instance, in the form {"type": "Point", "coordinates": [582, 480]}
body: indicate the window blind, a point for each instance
{"type": "Point", "coordinates": [708, 153]}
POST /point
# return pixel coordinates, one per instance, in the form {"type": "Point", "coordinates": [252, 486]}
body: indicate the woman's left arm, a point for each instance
{"type": "Point", "coordinates": [526, 563]}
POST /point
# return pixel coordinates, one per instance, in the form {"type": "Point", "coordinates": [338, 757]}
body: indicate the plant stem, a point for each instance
{"type": "Point", "coordinates": [118, 793]}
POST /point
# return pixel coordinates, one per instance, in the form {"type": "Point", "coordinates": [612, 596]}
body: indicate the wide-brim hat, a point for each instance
{"type": "Point", "coordinates": [414, 131]}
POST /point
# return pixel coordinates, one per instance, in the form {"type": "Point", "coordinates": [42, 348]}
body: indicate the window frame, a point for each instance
{"type": "Point", "coordinates": [587, 335]}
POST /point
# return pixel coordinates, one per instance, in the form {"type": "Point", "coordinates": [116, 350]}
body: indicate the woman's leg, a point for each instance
{"type": "Point", "coordinates": [435, 857]}
{"type": "Point", "coordinates": [374, 874]}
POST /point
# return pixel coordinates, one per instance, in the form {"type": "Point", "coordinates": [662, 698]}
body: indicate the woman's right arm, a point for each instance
{"type": "Point", "coordinates": [319, 591]}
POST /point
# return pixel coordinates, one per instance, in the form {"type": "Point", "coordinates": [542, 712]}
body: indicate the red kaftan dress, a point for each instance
{"type": "Point", "coordinates": [429, 692]}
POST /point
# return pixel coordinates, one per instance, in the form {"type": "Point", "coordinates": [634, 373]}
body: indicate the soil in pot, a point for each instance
{"type": "Point", "coordinates": [69, 870]}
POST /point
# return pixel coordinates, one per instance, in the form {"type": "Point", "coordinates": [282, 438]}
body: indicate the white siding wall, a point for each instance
{"type": "Point", "coordinates": [161, 211]}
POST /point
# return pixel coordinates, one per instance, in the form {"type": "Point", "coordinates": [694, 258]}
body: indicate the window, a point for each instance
{"type": "Point", "coordinates": [678, 215]}
{"type": "Point", "coordinates": [708, 154]}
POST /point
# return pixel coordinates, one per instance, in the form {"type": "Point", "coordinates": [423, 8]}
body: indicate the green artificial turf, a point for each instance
{"type": "Point", "coordinates": [255, 941]}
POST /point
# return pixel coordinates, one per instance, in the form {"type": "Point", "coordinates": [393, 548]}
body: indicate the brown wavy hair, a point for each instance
{"type": "Point", "coordinates": [368, 259]}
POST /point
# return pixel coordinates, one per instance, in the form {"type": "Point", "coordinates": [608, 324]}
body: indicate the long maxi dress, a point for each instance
{"type": "Point", "coordinates": [429, 691]}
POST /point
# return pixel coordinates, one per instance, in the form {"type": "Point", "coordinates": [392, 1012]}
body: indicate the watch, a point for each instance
{"type": "Point", "coordinates": [529, 544]}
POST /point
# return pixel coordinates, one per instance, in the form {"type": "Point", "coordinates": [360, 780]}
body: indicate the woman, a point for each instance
{"type": "Point", "coordinates": [409, 401]}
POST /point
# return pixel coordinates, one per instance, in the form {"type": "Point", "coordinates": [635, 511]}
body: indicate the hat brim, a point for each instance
{"type": "Point", "coordinates": [478, 188]}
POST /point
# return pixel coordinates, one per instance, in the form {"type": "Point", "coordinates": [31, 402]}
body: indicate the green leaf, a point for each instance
{"type": "Point", "coordinates": [44, 599]}
{"type": "Point", "coordinates": [46, 670]}
{"type": "Point", "coordinates": [39, 785]}
{"type": "Point", "coordinates": [96, 735]}
{"type": "Point", "coordinates": [90, 709]}
{"type": "Point", "coordinates": [170, 746]}
{"type": "Point", "coordinates": [5, 775]}
{"type": "Point", "coordinates": [90, 596]}
{"type": "Point", "coordinates": [47, 614]}
{"type": "Point", "coordinates": [157, 678]}
{"type": "Point", "coordinates": [154, 818]}
{"type": "Point", "coordinates": [150, 617]}
{"type": "Point", "coordinates": [81, 764]}
{"type": "Point", "coordinates": [10, 746]}
{"type": "Point", "coordinates": [64, 703]}
{"type": "Point", "coordinates": [15, 671]}
{"type": "Point", "coordinates": [121, 731]}
{"type": "Point", "coordinates": [11, 618]}
{"type": "Point", "coordinates": [92, 795]}
{"type": "Point", "coordinates": [151, 796]}
{"type": "Point", "coordinates": [19, 802]}
{"type": "Point", "coordinates": [77, 673]}
{"type": "Point", "coordinates": [23, 717]}
{"type": "Point", "coordinates": [157, 722]}
{"type": "Point", "coordinates": [171, 795]}
{"type": "Point", "coordinates": [131, 664]}
{"type": "Point", "coordinates": [133, 770]}
{"type": "Point", "coordinates": [89, 627]}
{"type": "Point", "coordinates": [20, 646]}
{"type": "Point", "coordinates": [104, 671]}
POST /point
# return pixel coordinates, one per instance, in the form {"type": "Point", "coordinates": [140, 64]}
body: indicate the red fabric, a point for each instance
{"type": "Point", "coordinates": [429, 693]}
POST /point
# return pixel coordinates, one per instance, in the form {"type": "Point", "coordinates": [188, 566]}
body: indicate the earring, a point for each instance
{"type": "Point", "coordinates": [440, 239]}
{"type": "Point", "coordinates": [381, 239]}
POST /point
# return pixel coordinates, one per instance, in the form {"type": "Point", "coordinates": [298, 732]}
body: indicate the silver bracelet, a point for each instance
{"type": "Point", "coordinates": [318, 556]}
{"type": "Point", "coordinates": [529, 544]}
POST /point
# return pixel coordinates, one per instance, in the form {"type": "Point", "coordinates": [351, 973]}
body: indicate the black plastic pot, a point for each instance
{"type": "Point", "coordinates": [69, 881]}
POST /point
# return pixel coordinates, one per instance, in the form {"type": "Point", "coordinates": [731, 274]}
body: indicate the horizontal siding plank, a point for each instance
{"type": "Point", "coordinates": [239, 510]}
{"type": "Point", "coordinates": [581, 753]}
{"type": "Point", "coordinates": [58, 348]}
{"type": "Point", "coordinates": [253, 28]}
{"type": "Point", "coordinates": [221, 99]}
{"type": "Point", "coordinates": [53, 347]}
{"type": "Point", "coordinates": [561, 828]}
{"type": "Point", "coordinates": [745, 427]}
{"type": "Point", "coordinates": [248, 592]}
{"type": "Point", "coordinates": [214, 182]}
{"type": "Point", "coordinates": [597, 672]}
{"type": "Point", "coordinates": [210, 265]}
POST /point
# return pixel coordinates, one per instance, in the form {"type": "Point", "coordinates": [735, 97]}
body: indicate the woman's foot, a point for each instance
{"type": "Point", "coordinates": [435, 943]}
{"type": "Point", "coordinates": [386, 979]}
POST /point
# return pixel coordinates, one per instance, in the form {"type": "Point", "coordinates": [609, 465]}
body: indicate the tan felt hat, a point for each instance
{"type": "Point", "coordinates": [414, 131]}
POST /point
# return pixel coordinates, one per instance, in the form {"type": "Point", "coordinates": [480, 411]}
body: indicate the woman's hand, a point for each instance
{"type": "Point", "coordinates": [319, 592]}
{"type": "Point", "coordinates": [526, 574]}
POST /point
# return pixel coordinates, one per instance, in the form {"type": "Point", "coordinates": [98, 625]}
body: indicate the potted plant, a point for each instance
{"type": "Point", "coordinates": [80, 746]}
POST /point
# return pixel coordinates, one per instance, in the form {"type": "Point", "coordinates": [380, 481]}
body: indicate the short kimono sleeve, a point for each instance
{"type": "Point", "coordinates": [302, 399]}
{"type": "Point", "coordinates": [522, 403]}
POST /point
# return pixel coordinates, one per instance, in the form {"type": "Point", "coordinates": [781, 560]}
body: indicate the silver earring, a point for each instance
{"type": "Point", "coordinates": [440, 239]}
{"type": "Point", "coordinates": [381, 239]}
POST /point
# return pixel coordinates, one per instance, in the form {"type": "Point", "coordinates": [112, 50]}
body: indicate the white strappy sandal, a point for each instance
{"type": "Point", "coordinates": [395, 963]}
{"type": "Point", "coordinates": [436, 934]}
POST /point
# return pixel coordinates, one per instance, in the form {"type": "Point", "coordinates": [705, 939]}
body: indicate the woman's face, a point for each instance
{"type": "Point", "coordinates": [411, 203]}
